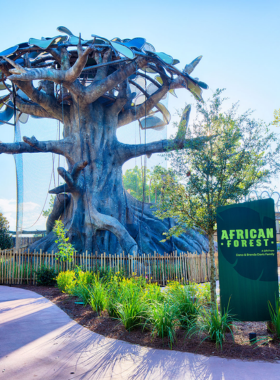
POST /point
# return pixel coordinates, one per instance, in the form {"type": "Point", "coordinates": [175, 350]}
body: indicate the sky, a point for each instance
{"type": "Point", "coordinates": [239, 41]}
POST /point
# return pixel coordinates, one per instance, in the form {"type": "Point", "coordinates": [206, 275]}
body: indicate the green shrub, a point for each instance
{"type": "Point", "coordinates": [97, 295]}
{"type": "Point", "coordinates": [275, 317]}
{"type": "Point", "coordinates": [66, 280]}
{"type": "Point", "coordinates": [153, 293]}
{"type": "Point", "coordinates": [211, 322]}
{"type": "Point", "coordinates": [162, 320]}
{"type": "Point", "coordinates": [46, 276]}
{"type": "Point", "coordinates": [6, 240]}
{"type": "Point", "coordinates": [185, 304]}
{"type": "Point", "coordinates": [81, 291]}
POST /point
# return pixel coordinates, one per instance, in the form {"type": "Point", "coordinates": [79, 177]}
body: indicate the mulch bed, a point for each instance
{"type": "Point", "coordinates": [102, 324]}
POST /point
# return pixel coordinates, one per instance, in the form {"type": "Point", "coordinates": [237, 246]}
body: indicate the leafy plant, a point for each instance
{"type": "Point", "coordinates": [66, 250]}
{"type": "Point", "coordinates": [6, 240]}
{"type": "Point", "coordinates": [185, 304]}
{"type": "Point", "coordinates": [46, 276]}
{"type": "Point", "coordinates": [275, 317]}
{"type": "Point", "coordinates": [66, 280]}
{"type": "Point", "coordinates": [214, 324]}
{"type": "Point", "coordinates": [130, 306]}
{"type": "Point", "coordinates": [162, 320]}
{"type": "Point", "coordinates": [97, 295]}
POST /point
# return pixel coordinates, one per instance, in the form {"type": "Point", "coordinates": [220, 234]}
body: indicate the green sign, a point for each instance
{"type": "Point", "coordinates": [248, 271]}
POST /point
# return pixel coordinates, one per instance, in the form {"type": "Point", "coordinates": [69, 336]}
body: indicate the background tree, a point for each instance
{"type": "Point", "coordinates": [240, 157]}
{"type": "Point", "coordinates": [48, 211]}
{"type": "Point", "coordinates": [6, 240]}
{"type": "Point", "coordinates": [133, 180]}
{"type": "Point", "coordinates": [276, 120]}
{"type": "Point", "coordinates": [94, 87]}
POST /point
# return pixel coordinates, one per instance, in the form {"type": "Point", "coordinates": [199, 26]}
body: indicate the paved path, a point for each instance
{"type": "Point", "coordinates": [40, 341]}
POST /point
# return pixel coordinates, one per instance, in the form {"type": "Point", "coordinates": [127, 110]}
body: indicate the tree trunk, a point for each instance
{"type": "Point", "coordinates": [98, 213]}
{"type": "Point", "coordinates": [213, 269]}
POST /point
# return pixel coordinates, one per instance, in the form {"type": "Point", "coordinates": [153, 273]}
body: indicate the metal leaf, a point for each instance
{"type": "Point", "coordinates": [165, 112]}
{"type": "Point", "coordinates": [10, 51]}
{"type": "Point", "coordinates": [175, 61]}
{"type": "Point", "coordinates": [101, 38]}
{"type": "Point", "coordinates": [203, 85]}
{"type": "Point", "coordinates": [152, 88]}
{"type": "Point", "coordinates": [63, 29]}
{"type": "Point", "coordinates": [73, 40]}
{"type": "Point", "coordinates": [194, 89]}
{"type": "Point", "coordinates": [23, 118]}
{"type": "Point", "coordinates": [165, 58]}
{"type": "Point", "coordinates": [140, 99]}
{"type": "Point", "coordinates": [1, 101]}
{"type": "Point", "coordinates": [149, 47]}
{"type": "Point", "coordinates": [136, 43]}
{"type": "Point", "coordinates": [152, 122]}
{"type": "Point", "coordinates": [127, 52]}
{"type": "Point", "coordinates": [147, 69]}
{"type": "Point", "coordinates": [3, 87]}
{"type": "Point", "coordinates": [44, 44]}
{"type": "Point", "coordinates": [7, 114]}
{"type": "Point", "coordinates": [116, 39]}
{"type": "Point", "coordinates": [159, 79]}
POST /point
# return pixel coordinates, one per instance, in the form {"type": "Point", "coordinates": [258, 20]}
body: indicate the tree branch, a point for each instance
{"type": "Point", "coordinates": [63, 147]}
{"type": "Point", "coordinates": [71, 179]}
{"type": "Point", "coordinates": [127, 151]}
{"type": "Point", "coordinates": [31, 108]}
{"type": "Point", "coordinates": [135, 113]}
{"type": "Point", "coordinates": [69, 75]}
{"type": "Point", "coordinates": [48, 102]}
{"type": "Point", "coordinates": [99, 88]}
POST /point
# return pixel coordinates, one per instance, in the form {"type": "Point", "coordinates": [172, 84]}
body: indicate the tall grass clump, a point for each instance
{"type": "Point", "coordinates": [214, 324]}
{"type": "Point", "coordinates": [186, 306]}
{"type": "Point", "coordinates": [162, 320]}
{"type": "Point", "coordinates": [275, 318]}
{"type": "Point", "coordinates": [129, 306]}
{"type": "Point", "coordinates": [97, 294]}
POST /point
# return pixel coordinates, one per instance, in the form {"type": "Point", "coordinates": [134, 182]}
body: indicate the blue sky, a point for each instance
{"type": "Point", "coordinates": [239, 41]}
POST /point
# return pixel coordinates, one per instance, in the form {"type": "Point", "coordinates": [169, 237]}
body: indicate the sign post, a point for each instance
{"type": "Point", "coordinates": [247, 251]}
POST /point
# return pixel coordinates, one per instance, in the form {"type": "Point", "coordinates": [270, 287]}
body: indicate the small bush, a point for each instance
{"type": "Point", "coordinates": [46, 276]}
{"type": "Point", "coordinates": [66, 280]}
{"type": "Point", "coordinates": [275, 317]}
{"type": "Point", "coordinates": [97, 295]}
{"type": "Point", "coordinates": [214, 324]}
{"type": "Point", "coordinates": [162, 320]}
{"type": "Point", "coordinates": [185, 304]}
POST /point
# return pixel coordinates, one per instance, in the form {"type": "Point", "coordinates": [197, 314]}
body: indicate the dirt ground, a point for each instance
{"type": "Point", "coordinates": [266, 348]}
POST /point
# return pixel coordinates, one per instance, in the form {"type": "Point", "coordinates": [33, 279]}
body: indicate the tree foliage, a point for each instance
{"type": "Point", "coordinates": [66, 249]}
{"type": "Point", "coordinates": [6, 240]}
{"type": "Point", "coordinates": [242, 155]}
{"type": "Point", "coordinates": [276, 120]}
{"type": "Point", "coordinates": [133, 180]}
{"type": "Point", "coordinates": [47, 212]}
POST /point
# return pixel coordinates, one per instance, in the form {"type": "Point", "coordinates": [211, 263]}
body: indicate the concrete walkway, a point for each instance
{"type": "Point", "coordinates": [39, 341]}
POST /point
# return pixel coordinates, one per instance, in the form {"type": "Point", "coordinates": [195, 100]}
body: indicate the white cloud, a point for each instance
{"type": "Point", "coordinates": [31, 212]}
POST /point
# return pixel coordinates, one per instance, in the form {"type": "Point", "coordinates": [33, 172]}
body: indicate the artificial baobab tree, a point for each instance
{"type": "Point", "coordinates": [95, 87]}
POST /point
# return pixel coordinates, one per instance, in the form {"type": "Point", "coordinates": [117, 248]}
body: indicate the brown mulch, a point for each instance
{"type": "Point", "coordinates": [267, 349]}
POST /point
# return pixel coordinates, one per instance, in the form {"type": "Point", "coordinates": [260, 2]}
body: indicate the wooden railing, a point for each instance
{"type": "Point", "coordinates": [21, 267]}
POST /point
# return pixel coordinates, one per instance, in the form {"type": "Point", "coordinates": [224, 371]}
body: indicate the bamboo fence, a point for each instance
{"type": "Point", "coordinates": [20, 267]}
